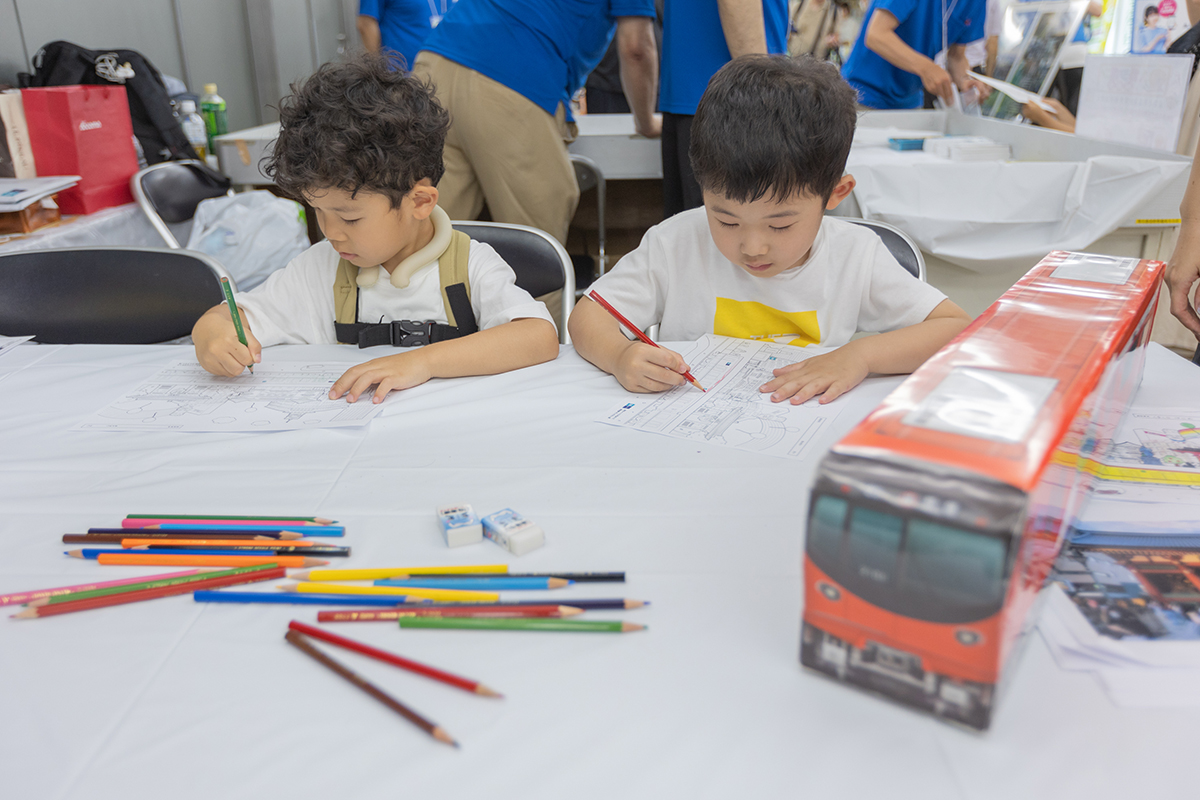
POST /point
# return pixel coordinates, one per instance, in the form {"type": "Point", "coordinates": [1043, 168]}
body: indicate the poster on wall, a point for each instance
{"type": "Point", "coordinates": [1156, 24]}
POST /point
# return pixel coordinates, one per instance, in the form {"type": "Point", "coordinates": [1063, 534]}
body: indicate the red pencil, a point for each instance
{"type": "Point", "coordinates": [148, 594]}
{"type": "Point", "coordinates": [467, 610]}
{"type": "Point", "coordinates": [396, 661]}
{"type": "Point", "coordinates": [636, 332]}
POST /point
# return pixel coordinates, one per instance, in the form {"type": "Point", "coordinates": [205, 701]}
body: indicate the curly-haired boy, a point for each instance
{"type": "Point", "coordinates": [362, 144]}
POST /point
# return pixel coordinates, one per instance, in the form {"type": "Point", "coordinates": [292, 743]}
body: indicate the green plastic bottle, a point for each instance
{"type": "Point", "coordinates": [212, 109]}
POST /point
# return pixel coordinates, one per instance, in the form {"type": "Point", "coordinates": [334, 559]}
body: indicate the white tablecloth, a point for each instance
{"type": "Point", "coordinates": [174, 699]}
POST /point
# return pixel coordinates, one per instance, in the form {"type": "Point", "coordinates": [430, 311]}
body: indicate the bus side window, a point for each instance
{"type": "Point", "coordinates": [825, 531]}
{"type": "Point", "coordinates": [874, 544]}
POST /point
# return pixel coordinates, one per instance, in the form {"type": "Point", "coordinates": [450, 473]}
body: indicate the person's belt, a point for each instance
{"type": "Point", "coordinates": [400, 333]}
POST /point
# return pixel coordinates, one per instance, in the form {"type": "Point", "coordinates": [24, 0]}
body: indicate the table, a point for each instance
{"type": "Point", "coordinates": [172, 698]}
{"type": "Point", "coordinates": [124, 225]}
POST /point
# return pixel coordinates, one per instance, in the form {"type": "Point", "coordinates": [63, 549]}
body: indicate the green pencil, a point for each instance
{"type": "Point", "coordinates": [501, 624]}
{"type": "Point", "coordinates": [154, 584]}
{"type": "Point", "coordinates": [235, 314]}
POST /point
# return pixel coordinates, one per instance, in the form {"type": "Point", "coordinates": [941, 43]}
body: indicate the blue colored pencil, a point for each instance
{"type": "Point", "coordinates": [296, 598]}
{"type": "Point", "coordinates": [307, 530]}
{"type": "Point", "coordinates": [491, 583]}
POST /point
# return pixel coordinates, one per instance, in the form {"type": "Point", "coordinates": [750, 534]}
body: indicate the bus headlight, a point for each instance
{"type": "Point", "coordinates": [968, 637]}
{"type": "Point", "coordinates": [830, 591]}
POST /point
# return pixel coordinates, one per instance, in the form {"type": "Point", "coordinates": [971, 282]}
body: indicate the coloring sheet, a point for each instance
{"type": "Point", "coordinates": [732, 413]}
{"type": "Point", "coordinates": [277, 397]}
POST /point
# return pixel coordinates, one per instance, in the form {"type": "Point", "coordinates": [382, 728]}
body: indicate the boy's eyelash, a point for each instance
{"type": "Point", "coordinates": [727, 224]}
{"type": "Point", "coordinates": [349, 221]}
{"type": "Point", "coordinates": [783, 228]}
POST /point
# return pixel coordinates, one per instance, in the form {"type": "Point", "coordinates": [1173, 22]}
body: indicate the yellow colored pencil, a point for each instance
{"type": "Point", "coordinates": [380, 574]}
{"type": "Point", "coordinates": [451, 595]}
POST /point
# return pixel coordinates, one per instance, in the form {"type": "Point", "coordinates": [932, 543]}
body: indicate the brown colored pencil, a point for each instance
{"type": "Point", "coordinates": [105, 601]}
{"type": "Point", "coordinates": [301, 643]}
{"type": "Point", "coordinates": [392, 615]}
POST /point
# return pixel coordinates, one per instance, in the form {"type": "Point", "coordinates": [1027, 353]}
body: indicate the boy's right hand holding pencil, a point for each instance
{"type": "Point", "coordinates": [642, 368]}
{"type": "Point", "coordinates": [217, 346]}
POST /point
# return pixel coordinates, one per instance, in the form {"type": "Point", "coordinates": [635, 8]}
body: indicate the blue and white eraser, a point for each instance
{"type": "Point", "coordinates": [513, 532]}
{"type": "Point", "coordinates": [459, 525]}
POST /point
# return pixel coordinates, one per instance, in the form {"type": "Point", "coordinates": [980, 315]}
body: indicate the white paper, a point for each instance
{"type": "Point", "coordinates": [277, 397]}
{"type": "Point", "coordinates": [19, 193]}
{"type": "Point", "coordinates": [1022, 96]}
{"type": "Point", "coordinates": [1137, 99]}
{"type": "Point", "coordinates": [732, 413]}
{"type": "Point", "coordinates": [9, 342]}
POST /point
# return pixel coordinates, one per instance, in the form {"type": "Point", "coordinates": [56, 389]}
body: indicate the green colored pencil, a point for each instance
{"type": "Point", "coordinates": [152, 584]}
{"type": "Point", "coordinates": [492, 624]}
{"type": "Point", "coordinates": [237, 315]}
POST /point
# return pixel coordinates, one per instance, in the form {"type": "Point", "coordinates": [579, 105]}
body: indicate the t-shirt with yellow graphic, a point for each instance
{"type": "Point", "coordinates": [677, 278]}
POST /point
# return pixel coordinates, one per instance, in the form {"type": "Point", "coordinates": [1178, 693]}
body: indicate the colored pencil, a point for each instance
{"type": "Point", "coordinates": [202, 531]}
{"type": "Point", "coordinates": [275, 544]}
{"type": "Point", "coordinates": [609, 604]}
{"type": "Point", "coordinates": [294, 598]}
{"type": "Point", "coordinates": [464, 610]}
{"type": "Point", "coordinates": [235, 316]}
{"type": "Point", "coordinates": [232, 524]}
{"type": "Point", "coordinates": [117, 538]}
{"type": "Point", "coordinates": [226, 549]}
{"type": "Point", "coordinates": [185, 560]}
{"type": "Point", "coordinates": [558, 625]}
{"type": "Point", "coordinates": [145, 594]}
{"type": "Point", "coordinates": [636, 332]}
{"type": "Point", "coordinates": [577, 577]}
{"type": "Point", "coordinates": [431, 594]}
{"type": "Point", "coordinates": [149, 584]}
{"type": "Point", "coordinates": [234, 517]}
{"type": "Point", "coordinates": [301, 643]}
{"type": "Point", "coordinates": [16, 598]}
{"type": "Point", "coordinates": [475, 687]}
{"type": "Point", "coordinates": [397, 572]}
{"type": "Point", "coordinates": [490, 583]}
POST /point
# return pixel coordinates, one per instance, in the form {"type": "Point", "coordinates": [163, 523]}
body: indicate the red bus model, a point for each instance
{"type": "Point", "coordinates": [933, 524]}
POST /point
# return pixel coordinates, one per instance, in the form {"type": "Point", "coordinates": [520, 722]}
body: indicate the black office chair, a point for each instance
{"type": "Point", "coordinates": [540, 262]}
{"type": "Point", "coordinates": [168, 194]}
{"type": "Point", "coordinates": [898, 243]}
{"type": "Point", "coordinates": [106, 295]}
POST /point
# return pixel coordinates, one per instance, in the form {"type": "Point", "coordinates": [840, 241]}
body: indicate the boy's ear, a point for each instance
{"type": "Point", "coordinates": [424, 197]}
{"type": "Point", "coordinates": [844, 187]}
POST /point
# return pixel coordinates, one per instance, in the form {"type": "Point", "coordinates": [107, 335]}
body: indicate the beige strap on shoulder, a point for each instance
{"type": "Point", "coordinates": [345, 293]}
{"type": "Point", "coordinates": [452, 269]}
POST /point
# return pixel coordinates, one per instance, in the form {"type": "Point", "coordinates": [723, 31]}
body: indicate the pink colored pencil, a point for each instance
{"type": "Point", "coordinates": [278, 524]}
{"type": "Point", "coordinates": [24, 597]}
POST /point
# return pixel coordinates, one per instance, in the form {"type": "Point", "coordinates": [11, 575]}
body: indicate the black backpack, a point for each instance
{"type": "Point", "coordinates": [154, 124]}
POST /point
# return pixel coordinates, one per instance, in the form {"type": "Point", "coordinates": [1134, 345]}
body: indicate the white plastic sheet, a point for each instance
{"type": "Point", "coordinates": [252, 234]}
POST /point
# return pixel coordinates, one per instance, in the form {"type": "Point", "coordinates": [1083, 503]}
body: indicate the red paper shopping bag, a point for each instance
{"type": "Point", "coordinates": [85, 131]}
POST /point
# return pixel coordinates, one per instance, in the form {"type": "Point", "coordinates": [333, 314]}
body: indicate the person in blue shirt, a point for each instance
{"type": "Point", "coordinates": [1148, 37]}
{"type": "Point", "coordinates": [892, 59]}
{"type": "Point", "coordinates": [506, 71]}
{"type": "Point", "coordinates": [399, 25]}
{"type": "Point", "coordinates": [699, 37]}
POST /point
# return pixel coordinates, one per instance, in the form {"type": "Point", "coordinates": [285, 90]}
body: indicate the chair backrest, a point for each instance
{"type": "Point", "coordinates": [589, 176]}
{"type": "Point", "coordinates": [898, 243]}
{"type": "Point", "coordinates": [540, 262]}
{"type": "Point", "coordinates": [106, 295]}
{"type": "Point", "coordinates": [168, 193]}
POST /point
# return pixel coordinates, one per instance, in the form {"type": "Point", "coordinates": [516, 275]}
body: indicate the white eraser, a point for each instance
{"type": "Point", "coordinates": [459, 525]}
{"type": "Point", "coordinates": [513, 532]}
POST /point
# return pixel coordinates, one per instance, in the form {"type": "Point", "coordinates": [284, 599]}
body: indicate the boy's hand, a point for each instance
{"type": "Point", "coordinates": [390, 373]}
{"type": "Point", "coordinates": [217, 347]}
{"type": "Point", "coordinates": [830, 375]}
{"type": "Point", "coordinates": [642, 368]}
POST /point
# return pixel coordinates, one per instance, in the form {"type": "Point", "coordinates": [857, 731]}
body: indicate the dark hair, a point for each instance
{"type": "Point", "coordinates": [1148, 11]}
{"type": "Point", "coordinates": [360, 124]}
{"type": "Point", "coordinates": [773, 124]}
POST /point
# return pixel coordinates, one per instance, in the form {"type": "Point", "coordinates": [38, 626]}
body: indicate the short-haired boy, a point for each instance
{"type": "Point", "coordinates": [760, 260]}
{"type": "Point", "coordinates": [362, 144]}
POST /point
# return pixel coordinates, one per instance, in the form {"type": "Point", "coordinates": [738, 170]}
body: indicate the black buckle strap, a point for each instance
{"type": "Point", "coordinates": [400, 333]}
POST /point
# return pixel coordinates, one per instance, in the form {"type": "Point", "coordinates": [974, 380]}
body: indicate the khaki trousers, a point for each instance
{"type": "Point", "coordinates": [503, 149]}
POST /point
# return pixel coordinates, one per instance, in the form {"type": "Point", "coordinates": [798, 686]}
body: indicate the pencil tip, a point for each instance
{"type": "Point", "coordinates": [286, 587]}
{"type": "Point", "coordinates": [29, 613]}
{"type": "Point", "coordinates": [486, 692]}
{"type": "Point", "coordinates": [631, 626]}
{"type": "Point", "coordinates": [300, 575]}
{"type": "Point", "coordinates": [74, 553]}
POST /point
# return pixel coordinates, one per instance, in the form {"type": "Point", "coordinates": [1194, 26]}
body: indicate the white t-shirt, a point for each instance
{"type": "Point", "coordinates": [295, 305]}
{"type": "Point", "coordinates": [850, 282]}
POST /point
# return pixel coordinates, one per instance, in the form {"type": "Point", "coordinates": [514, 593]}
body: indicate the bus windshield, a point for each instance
{"type": "Point", "coordinates": [906, 563]}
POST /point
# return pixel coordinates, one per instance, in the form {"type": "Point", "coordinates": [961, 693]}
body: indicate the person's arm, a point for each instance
{"type": "Point", "coordinates": [883, 40]}
{"type": "Point", "coordinates": [217, 347]}
{"type": "Point", "coordinates": [833, 374]}
{"type": "Point", "coordinates": [1061, 120]}
{"type": "Point", "coordinates": [636, 366]}
{"type": "Point", "coordinates": [368, 31]}
{"type": "Point", "coordinates": [638, 56]}
{"type": "Point", "coordinates": [1183, 269]}
{"type": "Point", "coordinates": [993, 49]}
{"type": "Point", "coordinates": [960, 71]}
{"type": "Point", "coordinates": [513, 345]}
{"type": "Point", "coordinates": [742, 23]}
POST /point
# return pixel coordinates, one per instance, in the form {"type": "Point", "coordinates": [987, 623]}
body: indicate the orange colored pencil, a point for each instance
{"type": "Point", "coordinates": [208, 561]}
